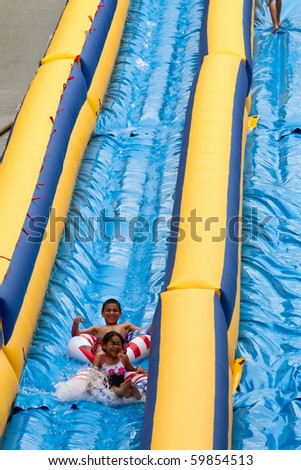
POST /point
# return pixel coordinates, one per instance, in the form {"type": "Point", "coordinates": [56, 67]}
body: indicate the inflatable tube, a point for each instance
{"type": "Point", "coordinates": [40, 164]}
{"type": "Point", "coordinates": [203, 272]}
{"type": "Point", "coordinates": [79, 348]}
{"type": "Point", "coordinates": [137, 346]}
{"type": "Point", "coordinates": [140, 380]}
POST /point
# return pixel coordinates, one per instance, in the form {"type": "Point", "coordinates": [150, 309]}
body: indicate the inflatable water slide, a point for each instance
{"type": "Point", "coordinates": [40, 164]}
{"type": "Point", "coordinates": [141, 202]}
{"type": "Point", "coordinates": [267, 407]}
{"type": "Point", "coordinates": [198, 311]}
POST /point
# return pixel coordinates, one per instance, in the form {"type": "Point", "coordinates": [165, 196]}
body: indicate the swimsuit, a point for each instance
{"type": "Point", "coordinates": [114, 373]}
{"type": "Point", "coordinates": [96, 345]}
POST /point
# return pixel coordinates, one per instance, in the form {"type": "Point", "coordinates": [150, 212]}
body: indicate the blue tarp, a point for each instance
{"type": "Point", "coordinates": [267, 408]}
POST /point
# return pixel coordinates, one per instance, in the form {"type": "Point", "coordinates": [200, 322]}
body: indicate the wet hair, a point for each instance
{"type": "Point", "coordinates": [110, 335]}
{"type": "Point", "coordinates": [111, 301]}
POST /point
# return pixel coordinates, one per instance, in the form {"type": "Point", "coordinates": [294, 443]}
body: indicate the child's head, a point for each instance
{"type": "Point", "coordinates": [112, 339]}
{"type": "Point", "coordinates": [111, 311]}
{"type": "Point", "coordinates": [111, 301]}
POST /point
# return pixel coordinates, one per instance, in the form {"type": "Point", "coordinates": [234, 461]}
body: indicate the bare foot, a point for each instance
{"type": "Point", "coordinates": [136, 392]}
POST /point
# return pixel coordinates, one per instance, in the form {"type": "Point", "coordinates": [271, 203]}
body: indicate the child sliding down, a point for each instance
{"type": "Point", "coordinates": [113, 363]}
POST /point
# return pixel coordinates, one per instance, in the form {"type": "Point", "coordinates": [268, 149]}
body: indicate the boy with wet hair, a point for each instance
{"type": "Point", "coordinates": [111, 312]}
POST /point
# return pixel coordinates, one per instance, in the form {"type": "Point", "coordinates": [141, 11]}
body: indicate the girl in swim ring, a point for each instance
{"type": "Point", "coordinates": [113, 363]}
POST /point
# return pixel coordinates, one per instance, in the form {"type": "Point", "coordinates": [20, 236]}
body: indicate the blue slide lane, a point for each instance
{"type": "Point", "coordinates": [267, 408]}
{"type": "Point", "coordinates": [127, 180]}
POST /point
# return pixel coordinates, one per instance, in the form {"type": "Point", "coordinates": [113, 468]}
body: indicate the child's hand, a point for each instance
{"type": "Point", "coordinates": [78, 319]}
{"type": "Point", "coordinates": [141, 370]}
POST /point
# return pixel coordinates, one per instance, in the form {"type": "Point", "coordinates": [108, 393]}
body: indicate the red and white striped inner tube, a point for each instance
{"type": "Point", "coordinates": [138, 346]}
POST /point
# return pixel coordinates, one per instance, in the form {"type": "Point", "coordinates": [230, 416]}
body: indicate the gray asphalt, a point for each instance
{"type": "Point", "coordinates": [25, 29]}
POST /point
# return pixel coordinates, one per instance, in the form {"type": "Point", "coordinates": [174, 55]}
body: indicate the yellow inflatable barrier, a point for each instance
{"type": "Point", "coordinates": [9, 389]}
{"type": "Point", "coordinates": [189, 401]}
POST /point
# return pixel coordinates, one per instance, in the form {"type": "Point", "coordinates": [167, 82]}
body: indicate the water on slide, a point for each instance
{"type": "Point", "coordinates": [115, 241]}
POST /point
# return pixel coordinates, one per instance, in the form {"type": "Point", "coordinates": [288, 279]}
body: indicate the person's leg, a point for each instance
{"type": "Point", "coordinates": [273, 12]}
{"type": "Point", "coordinates": [121, 391]}
{"type": "Point", "coordinates": [127, 389]}
{"type": "Point", "coordinates": [278, 7]}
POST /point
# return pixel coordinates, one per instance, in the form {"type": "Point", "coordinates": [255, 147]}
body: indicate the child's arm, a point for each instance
{"type": "Point", "coordinates": [131, 327]}
{"type": "Point", "coordinates": [75, 325]}
{"type": "Point", "coordinates": [141, 370]}
{"type": "Point", "coordinates": [97, 364]}
{"type": "Point", "coordinates": [98, 359]}
{"type": "Point", "coordinates": [129, 366]}
{"type": "Point", "coordinates": [75, 331]}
